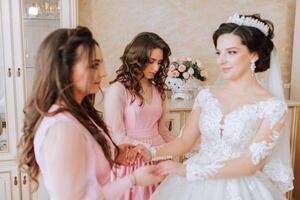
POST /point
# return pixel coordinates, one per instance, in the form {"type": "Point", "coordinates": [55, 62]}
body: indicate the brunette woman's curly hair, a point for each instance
{"type": "Point", "coordinates": [135, 57]}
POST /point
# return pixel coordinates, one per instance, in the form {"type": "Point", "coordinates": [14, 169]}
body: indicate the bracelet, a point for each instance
{"type": "Point", "coordinates": [152, 151]}
{"type": "Point", "coordinates": [162, 158]}
{"type": "Point", "coordinates": [133, 180]}
{"type": "Point", "coordinates": [154, 157]}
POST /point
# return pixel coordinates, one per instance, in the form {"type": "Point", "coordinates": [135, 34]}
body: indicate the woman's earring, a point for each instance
{"type": "Point", "coordinates": [252, 67]}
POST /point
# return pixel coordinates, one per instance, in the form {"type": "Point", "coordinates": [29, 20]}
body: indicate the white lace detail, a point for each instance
{"type": "Point", "coordinates": [239, 128]}
{"type": "Point", "coordinates": [263, 149]}
{"type": "Point", "coordinates": [275, 111]}
{"type": "Point", "coordinates": [260, 151]}
{"type": "Point", "coordinates": [274, 136]}
{"type": "Point", "coordinates": [198, 172]}
{"type": "Point", "coordinates": [201, 97]}
{"type": "Point", "coordinates": [280, 174]}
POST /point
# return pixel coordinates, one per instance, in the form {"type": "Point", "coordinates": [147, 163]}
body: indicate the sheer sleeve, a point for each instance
{"type": "Point", "coordinates": [67, 170]}
{"type": "Point", "coordinates": [68, 173]}
{"type": "Point", "coordinates": [114, 106]}
{"type": "Point", "coordinates": [254, 157]}
{"type": "Point", "coordinates": [163, 123]}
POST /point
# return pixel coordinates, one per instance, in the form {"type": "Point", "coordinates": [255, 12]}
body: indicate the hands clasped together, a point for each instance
{"type": "Point", "coordinates": [149, 174]}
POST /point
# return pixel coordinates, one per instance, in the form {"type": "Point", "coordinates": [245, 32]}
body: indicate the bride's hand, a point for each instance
{"type": "Point", "coordinates": [146, 175]}
{"type": "Point", "coordinates": [170, 167]}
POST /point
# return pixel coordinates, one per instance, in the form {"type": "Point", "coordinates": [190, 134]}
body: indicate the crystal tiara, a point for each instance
{"type": "Point", "coordinates": [249, 21]}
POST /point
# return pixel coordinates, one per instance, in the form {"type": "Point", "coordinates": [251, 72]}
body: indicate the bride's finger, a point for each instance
{"type": "Point", "coordinates": [164, 171]}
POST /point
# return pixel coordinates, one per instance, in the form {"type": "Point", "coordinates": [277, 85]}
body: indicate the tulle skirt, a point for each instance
{"type": "Point", "coordinates": [257, 187]}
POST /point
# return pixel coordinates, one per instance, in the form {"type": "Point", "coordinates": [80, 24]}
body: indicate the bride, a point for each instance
{"type": "Point", "coordinates": [244, 148]}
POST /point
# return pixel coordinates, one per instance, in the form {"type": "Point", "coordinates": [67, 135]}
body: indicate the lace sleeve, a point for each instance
{"type": "Point", "coordinates": [272, 115]}
{"type": "Point", "coordinates": [201, 171]}
{"type": "Point", "coordinates": [201, 98]}
{"type": "Point", "coordinates": [261, 149]}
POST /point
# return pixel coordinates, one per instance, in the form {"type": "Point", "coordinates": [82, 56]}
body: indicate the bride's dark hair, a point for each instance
{"type": "Point", "coordinates": [253, 38]}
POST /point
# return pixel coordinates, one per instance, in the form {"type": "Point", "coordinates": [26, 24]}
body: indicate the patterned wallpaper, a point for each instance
{"type": "Point", "coordinates": [187, 26]}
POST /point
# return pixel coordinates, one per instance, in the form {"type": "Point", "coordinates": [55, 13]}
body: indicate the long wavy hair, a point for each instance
{"type": "Point", "coordinates": [135, 57]}
{"type": "Point", "coordinates": [56, 57]}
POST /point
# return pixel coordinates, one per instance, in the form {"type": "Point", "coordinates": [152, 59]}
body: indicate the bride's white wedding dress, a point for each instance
{"type": "Point", "coordinates": [226, 137]}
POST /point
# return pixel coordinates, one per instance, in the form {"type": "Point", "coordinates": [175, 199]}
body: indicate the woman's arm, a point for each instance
{"type": "Point", "coordinates": [185, 142]}
{"type": "Point", "coordinates": [65, 154]}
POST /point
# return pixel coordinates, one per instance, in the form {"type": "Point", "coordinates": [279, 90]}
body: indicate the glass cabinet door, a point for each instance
{"type": "Point", "coordinates": [40, 17]}
{"type": "Point", "coordinates": [3, 119]}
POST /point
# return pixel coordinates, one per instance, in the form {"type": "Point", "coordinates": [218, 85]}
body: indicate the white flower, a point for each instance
{"type": "Point", "coordinates": [189, 59]}
{"type": "Point", "coordinates": [191, 71]}
{"type": "Point", "coordinates": [181, 68]}
{"type": "Point", "coordinates": [186, 75]}
{"type": "Point", "coordinates": [199, 64]}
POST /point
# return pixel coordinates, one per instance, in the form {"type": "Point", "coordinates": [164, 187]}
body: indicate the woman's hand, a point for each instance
{"type": "Point", "coordinates": [124, 150]}
{"type": "Point", "coordinates": [170, 167]}
{"type": "Point", "coordinates": [133, 154]}
{"type": "Point", "coordinates": [146, 175]}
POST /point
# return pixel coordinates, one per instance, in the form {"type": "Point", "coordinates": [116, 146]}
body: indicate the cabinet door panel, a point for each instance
{"type": "Point", "coordinates": [9, 182]}
{"type": "Point", "coordinates": [174, 126]}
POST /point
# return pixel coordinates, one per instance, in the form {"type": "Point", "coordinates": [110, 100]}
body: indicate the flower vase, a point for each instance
{"type": "Point", "coordinates": [183, 94]}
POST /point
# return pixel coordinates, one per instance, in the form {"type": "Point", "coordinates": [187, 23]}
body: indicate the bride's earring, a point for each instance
{"type": "Point", "coordinates": [252, 67]}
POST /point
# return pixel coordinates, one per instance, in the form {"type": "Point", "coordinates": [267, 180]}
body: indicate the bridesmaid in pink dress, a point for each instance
{"type": "Point", "coordinates": [64, 138]}
{"type": "Point", "coordinates": [135, 104]}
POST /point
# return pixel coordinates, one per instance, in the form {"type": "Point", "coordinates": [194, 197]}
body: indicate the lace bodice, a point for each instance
{"type": "Point", "coordinates": [226, 137]}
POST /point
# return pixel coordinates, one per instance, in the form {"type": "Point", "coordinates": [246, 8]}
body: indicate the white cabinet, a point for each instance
{"type": "Point", "coordinates": [179, 113]}
{"type": "Point", "coordinates": [23, 25]}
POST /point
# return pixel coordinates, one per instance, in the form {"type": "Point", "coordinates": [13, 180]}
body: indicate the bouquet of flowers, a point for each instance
{"type": "Point", "coordinates": [181, 76]}
{"type": "Point", "coordinates": [187, 69]}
